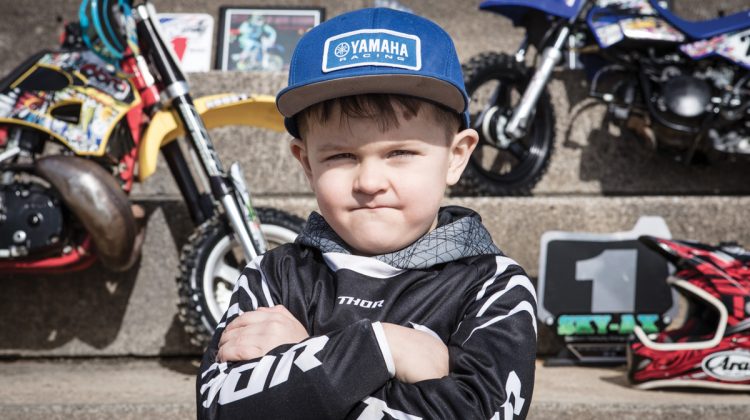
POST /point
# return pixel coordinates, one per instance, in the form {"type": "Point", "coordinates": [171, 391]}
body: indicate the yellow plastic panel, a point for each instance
{"type": "Point", "coordinates": [216, 111]}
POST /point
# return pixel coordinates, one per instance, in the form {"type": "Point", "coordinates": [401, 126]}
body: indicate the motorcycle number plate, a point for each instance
{"type": "Point", "coordinates": [604, 284]}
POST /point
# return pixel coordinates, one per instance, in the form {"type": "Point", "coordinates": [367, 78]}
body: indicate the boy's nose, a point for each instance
{"type": "Point", "coordinates": [370, 178]}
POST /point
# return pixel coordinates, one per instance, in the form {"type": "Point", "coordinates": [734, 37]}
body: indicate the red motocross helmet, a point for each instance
{"type": "Point", "coordinates": [709, 346]}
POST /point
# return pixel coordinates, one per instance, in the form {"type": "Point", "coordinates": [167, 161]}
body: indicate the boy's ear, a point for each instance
{"type": "Point", "coordinates": [462, 146]}
{"type": "Point", "coordinates": [299, 151]}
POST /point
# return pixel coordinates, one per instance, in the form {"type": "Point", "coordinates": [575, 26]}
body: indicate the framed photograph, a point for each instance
{"type": "Point", "coordinates": [255, 38]}
{"type": "Point", "coordinates": [191, 38]}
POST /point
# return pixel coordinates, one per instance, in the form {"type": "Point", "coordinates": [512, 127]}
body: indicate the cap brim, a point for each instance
{"type": "Point", "coordinates": [295, 100]}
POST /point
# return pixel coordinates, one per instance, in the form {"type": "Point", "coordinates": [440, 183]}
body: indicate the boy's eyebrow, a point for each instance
{"type": "Point", "coordinates": [334, 146]}
{"type": "Point", "coordinates": [330, 147]}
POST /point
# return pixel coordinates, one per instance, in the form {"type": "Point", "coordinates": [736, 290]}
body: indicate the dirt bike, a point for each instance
{"type": "Point", "coordinates": [80, 125]}
{"type": "Point", "coordinates": [681, 87]}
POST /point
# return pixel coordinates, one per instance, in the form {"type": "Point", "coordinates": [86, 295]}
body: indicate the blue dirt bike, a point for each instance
{"type": "Point", "coordinates": [682, 87]}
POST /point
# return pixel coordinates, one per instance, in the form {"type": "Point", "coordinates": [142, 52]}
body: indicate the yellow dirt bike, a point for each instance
{"type": "Point", "coordinates": [80, 125]}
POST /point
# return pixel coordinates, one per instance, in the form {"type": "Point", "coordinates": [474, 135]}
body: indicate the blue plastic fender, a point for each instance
{"type": "Point", "coordinates": [705, 28]}
{"type": "Point", "coordinates": [516, 9]}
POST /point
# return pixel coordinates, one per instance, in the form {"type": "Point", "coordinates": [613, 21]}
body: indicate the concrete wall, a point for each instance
{"type": "Point", "coordinates": [598, 181]}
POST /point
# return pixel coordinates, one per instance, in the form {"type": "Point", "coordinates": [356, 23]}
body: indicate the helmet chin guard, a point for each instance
{"type": "Point", "coordinates": [711, 348]}
{"type": "Point", "coordinates": [693, 345]}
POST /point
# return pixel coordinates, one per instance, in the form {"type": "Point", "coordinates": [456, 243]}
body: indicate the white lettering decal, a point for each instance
{"type": "Point", "coordinates": [383, 46]}
{"type": "Point", "coordinates": [394, 48]}
{"type": "Point", "coordinates": [513, 388]}
{"type": "Point", "coordinates": [374, 45]}
{"type": "Point", "coordinates": [362, 303]}
{"type": "Point", "coordinates": [377, 409]}
{"type": "Point", "coordinates": [305, 361]}
{"type": "Point", "coordinates": [228, 393]}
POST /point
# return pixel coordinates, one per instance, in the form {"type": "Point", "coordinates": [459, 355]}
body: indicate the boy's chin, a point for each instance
{"type": "Point", "coordinates": [370, 238]}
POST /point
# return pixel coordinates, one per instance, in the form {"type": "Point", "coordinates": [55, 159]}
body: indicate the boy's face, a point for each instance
{"type": "Point", "coordinates": [380, 191]}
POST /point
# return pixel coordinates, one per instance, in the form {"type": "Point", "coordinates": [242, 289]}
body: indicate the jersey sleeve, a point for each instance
{"type": "Point", "coordinates": [322, 377]}
{"type": "Point", "coordinates": [492, 359]}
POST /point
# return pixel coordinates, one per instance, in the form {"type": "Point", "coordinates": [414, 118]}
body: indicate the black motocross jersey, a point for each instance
{"type": "Point", "coordinates": [452, 283]}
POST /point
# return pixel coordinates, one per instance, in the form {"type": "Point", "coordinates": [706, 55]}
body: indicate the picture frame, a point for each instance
{"type": "Point", "coordinates": [261, 38]}
{"type": "Point", "coordinates": [191, 37]}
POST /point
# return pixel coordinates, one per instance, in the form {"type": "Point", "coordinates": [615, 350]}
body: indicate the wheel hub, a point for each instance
{"type": "Point", "coordinates": [493, 128]}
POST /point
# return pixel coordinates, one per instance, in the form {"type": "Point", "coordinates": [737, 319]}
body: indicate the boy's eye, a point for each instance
{"type": "Point", "coordinates": [399, 153]}
{"type": "Point", "coordinates": [340, 156]}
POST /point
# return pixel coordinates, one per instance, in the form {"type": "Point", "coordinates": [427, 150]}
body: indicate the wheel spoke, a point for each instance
{"type": "Point", "coordinates": [223, 295]}
{"type": "Point", "coordinates": [502, 163]}
{"type": "Point", "coordinates": [502, 95]}
{"type": "Point", "coordinates": [227, 273]}
{"type": "Point", "coordinates": [518, 150]}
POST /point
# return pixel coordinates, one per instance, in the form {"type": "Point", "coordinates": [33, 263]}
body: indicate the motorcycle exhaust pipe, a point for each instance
{"type": "Point", "coordinates": [97, 200]}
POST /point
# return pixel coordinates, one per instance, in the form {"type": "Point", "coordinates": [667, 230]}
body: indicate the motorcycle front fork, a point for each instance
{"type": "Point", "coordinates": [231, 190]}
{"type": "Point", "coordinates": [523, 112]}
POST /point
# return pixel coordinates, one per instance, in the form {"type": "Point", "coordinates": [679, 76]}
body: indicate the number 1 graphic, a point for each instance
{"type": "Point", "coordinates": [612, 274]}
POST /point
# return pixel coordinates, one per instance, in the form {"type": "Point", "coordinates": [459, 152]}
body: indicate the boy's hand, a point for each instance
{"type": "Point", "coordinates": [253, 334]}
{"type": "Point", "coordinates": [417, 355]}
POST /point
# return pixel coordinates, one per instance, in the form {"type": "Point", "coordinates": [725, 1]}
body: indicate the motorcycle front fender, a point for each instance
{"type": "Point", "coordinates": [516, 9]}
{"type": "Point", "coordinates": [216, 111]}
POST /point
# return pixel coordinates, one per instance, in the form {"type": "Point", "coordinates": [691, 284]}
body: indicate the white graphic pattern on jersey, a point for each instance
{"type": "Point", "coordinates": [517, 280]}
{"type": "Point", "coordinates": [377, 409]}
{"type": "Point", "coordinates": [232, 311]}
{"type": "Point", "coordinates": [255, 265]}
{"type": "Point", "coordinates": [363, 265]}
{"type": "Point", "coordinates": [502, 265]}
{"type": "Point", "coordinates": [242, 284]}
{"type": "Point", "coordinates": [521, 307]}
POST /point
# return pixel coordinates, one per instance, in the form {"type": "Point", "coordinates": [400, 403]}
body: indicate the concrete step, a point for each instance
{"type": "Point", "coordinates": [83, 389]}
{"type": "Point", "coordinates": [589, 157]}
{"type": "Point", "coordinates": [99, 313]}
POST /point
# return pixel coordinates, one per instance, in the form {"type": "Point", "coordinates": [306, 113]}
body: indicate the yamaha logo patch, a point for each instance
{"type": "Point", "coordinates": [372, 47]}
{"type": "Point", "coordinates": [733, 366]}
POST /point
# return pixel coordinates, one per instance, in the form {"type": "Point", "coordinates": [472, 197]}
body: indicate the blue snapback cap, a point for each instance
{"type": "Point", "coordinates": [375, 50]}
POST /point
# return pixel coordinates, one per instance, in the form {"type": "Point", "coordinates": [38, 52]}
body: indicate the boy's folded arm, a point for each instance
{"type": "Point", "coordinates": [491, 363]}
{"type": "Point", "coordinates": [320, 377]}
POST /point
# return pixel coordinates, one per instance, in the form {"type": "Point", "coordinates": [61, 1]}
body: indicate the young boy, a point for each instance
{"type": "Point", "coordinates": [387, 306]}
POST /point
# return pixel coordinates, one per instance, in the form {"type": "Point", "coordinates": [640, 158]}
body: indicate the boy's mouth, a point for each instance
{"type": "Point", "coordinates": [373, 207]}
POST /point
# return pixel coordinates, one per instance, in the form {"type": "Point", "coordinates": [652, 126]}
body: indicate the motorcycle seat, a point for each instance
{"type": "Point", "coordinates": [705, 28]}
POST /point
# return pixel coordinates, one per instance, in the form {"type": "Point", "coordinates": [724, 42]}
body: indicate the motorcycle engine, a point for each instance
{"type": "Point", "coordinates": [683, 98]}
{"type": "Point", "coordinates": [681, 101]}
{"type": "Point", "coordinates": [31, 220]}
{"type": "Point", "coordinates": [686, 96]}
